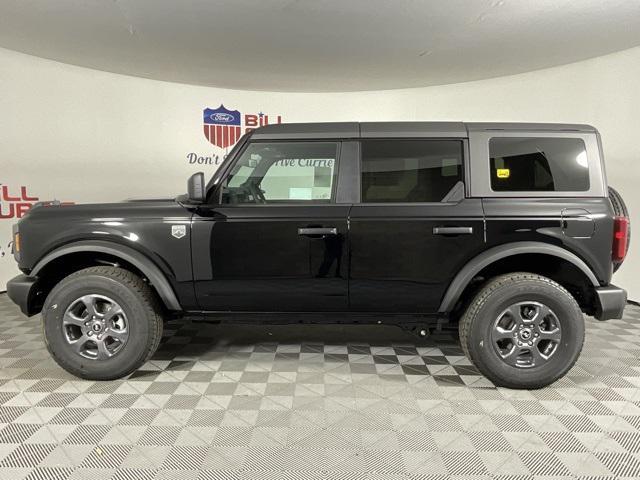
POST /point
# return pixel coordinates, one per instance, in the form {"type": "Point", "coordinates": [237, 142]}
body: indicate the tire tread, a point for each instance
{"type": "Point", "coordinates": [481, 298]}
{"type": "Point", "coordinates": [139, 288]}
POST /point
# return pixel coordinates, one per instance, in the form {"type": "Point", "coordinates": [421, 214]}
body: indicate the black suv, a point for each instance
{"type": "Point", "coordinates": [507, 231]}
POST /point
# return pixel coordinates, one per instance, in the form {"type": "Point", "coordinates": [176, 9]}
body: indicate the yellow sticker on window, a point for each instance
{"type": "Point", "coordinates": [503, 172]}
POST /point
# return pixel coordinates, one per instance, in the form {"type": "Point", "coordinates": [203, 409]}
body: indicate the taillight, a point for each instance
{"type": "Point", "coordinates": [620, 238]}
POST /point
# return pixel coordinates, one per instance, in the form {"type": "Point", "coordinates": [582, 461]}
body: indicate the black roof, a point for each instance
{"type": "Point", "coordinates": [401, 129]}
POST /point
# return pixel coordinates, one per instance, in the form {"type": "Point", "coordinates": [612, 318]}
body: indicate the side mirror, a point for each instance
{"type": "Point", "coordinates": [196, 188]}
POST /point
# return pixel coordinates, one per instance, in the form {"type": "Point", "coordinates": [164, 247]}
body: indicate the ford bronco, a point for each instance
{"type": "Point", "coordinates": [508, 232]}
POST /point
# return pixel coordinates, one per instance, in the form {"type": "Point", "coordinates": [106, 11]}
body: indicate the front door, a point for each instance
{"type": "Point", "coordinates": [413, 229]}
{"type": "Point", "coordinates": [274, 239]}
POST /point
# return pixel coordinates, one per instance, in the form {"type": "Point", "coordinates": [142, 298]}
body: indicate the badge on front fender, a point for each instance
{"type": "Point", "coordinates": [178, 231]}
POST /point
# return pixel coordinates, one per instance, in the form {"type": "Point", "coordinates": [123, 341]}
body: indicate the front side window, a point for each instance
{"type": "Point", "coordinates": [534, 164]}
{"type": "Point", "coordinates": [283, 172]}
{"type": "Point", "coordinates": [404, 171]}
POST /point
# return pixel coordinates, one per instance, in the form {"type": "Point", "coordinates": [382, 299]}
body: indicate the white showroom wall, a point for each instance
{"type": "Point", "coordinates": [81, 135]}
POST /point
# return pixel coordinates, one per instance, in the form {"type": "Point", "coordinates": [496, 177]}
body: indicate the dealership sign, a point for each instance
{"type": "Point", "coordinates": [223, 128]}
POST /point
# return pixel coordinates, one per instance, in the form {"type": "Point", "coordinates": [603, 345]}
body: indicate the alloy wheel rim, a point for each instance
{"type": "Point", "coordinates": [526, 334]}
{"type": "Point", "coordinates": [95, 327]}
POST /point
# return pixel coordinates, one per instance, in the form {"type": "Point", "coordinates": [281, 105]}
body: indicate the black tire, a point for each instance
{"type": "Point", "coordinates": [620, 210]}
{"type": "Point", "coordinates": [479, 321]}
{"type": "Point", "coordinates": [140, 309]}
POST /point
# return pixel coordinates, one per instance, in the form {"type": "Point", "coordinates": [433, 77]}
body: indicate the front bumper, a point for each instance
{"type": "Point", "coordinates": [23, 291]}
{"type": "Point", "coordinates": [611, 301]}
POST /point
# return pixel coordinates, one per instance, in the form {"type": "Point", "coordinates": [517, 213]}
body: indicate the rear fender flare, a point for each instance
{"type": "Point", "coordinates": [474, 266]}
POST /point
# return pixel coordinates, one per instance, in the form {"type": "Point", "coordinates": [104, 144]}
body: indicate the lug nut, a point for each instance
{"type": "Point", "coordinates": [90, 333]}
{"type": "Point", "coordinates": [530, 343]}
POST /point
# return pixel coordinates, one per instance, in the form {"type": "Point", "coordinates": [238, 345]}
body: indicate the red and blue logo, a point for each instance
{"type": "Point", "coordinates": [224, 127]}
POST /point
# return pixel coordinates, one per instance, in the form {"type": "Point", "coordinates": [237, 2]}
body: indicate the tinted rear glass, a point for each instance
{"type": "Point", "coordinates": [533, 164]}
{"type": "Point", "coordinates": [409, 170]}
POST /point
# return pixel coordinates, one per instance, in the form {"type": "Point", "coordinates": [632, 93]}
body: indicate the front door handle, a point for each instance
{"type": "Point", "coordinates": [317, 231]}
{"type": "Point", "coordinates": [452, 230]}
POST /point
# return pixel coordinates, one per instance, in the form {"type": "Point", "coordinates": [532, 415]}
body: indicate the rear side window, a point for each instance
{"type": "Point", "coordinates": [409, 170]}
{"type": "Point", "coordinates": [534, 164]}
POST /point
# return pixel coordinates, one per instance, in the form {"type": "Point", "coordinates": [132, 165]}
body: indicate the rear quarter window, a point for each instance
{"type": "Point", "coordinates": [531, 164]}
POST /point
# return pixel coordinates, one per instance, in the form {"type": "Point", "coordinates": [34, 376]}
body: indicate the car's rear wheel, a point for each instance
{"type": "Point", "coordinates": [522, 330]}
{"type": "Point", "coordinates": [101, 323]}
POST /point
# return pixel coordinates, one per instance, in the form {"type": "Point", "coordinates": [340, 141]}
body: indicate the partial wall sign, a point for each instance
{"type": "Point", "coordinates": [15, 202]}
{"type": "Point", "coordinates": [222, 127]}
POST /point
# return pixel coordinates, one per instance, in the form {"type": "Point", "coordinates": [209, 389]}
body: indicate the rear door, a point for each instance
{"type": "Point", "coordinates": [413, 228]}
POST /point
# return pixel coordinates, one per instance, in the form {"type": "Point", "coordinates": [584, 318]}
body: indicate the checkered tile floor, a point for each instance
{"type": "Point", "coordinates": [313, 402]}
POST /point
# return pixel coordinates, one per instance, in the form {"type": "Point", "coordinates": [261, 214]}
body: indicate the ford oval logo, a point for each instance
{"type": "Point", "coordinates": [222, 117]}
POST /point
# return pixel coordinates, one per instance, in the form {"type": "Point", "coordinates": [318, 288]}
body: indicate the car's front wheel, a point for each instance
{"type": "Point", "coordinates": [522, 330]}
{"type": "Point", "coordinates": [101, 323]}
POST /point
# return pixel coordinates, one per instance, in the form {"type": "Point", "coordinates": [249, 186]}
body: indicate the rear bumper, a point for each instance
{"type": "Point", "coordinates": [22, 290]}
{"type": "Point", "coordinates": [611, 302]}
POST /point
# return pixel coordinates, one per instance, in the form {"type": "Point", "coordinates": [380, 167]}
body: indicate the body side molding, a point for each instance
{"type": "Point", "coordinates": [137, 259]}
{"type": "Point", "coordinates": [476, 264]}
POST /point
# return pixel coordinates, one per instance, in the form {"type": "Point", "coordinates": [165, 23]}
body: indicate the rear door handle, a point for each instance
{"type": "Point", "coordinates": [319, 231]}
{"type": "Point", "coordinates": [452, 230]}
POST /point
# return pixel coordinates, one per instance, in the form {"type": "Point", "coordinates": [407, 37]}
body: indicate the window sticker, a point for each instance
{"type": "Point", "coordinates": [503, 172]}
{"type": "Point", "coordinates": [298, 193]}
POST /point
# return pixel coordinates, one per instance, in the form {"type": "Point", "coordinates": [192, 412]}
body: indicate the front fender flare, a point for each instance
{"type": "Point", "coordinates": [157, 279]}
{"type": "Point", "coordinates": [474, 266]}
